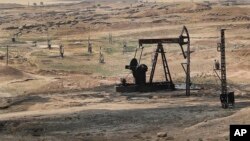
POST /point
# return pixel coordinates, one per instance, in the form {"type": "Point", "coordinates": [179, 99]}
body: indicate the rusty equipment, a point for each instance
{"type": "Point", "coordinates": [7, 55]}
{"type": "Point", "coordinates": [101, 57]}
{"type": "Point", "coordinates": [13, 39]}
{"type": "Point", "coordinates": [139, 70]}
{"type": "Point", "coordinates": [49, 44]}
{"type": "Point", "coordinates": [61, 50]}
{"type": "Point", "coordinates": [226, 98]}
{"type": "Point", "coordinates": [89, 45]}
{"type": "Point", "coordinates": [110, 38]}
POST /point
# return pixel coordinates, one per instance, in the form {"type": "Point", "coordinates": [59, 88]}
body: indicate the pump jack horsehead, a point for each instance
{"type": "Point", "coordinates": [139, 70]}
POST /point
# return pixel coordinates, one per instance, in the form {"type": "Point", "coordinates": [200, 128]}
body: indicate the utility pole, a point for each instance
{"type": "Point", "coordinates": [223, 64]}
{"type": "Point", "coordinates": [89, 46]}
{"type": "Point", "coordinates": [101, 57]}
{"type": "Point", "coordinates": [110, 38]}
{"type": "Point", "coordinates": [48, 39]}
{"type": "Point", "coordinates": [61, 50]}
{"type": "Point", "coordinates": [227, 98]}
{"type": "Point", "coordinates": [7, 55]}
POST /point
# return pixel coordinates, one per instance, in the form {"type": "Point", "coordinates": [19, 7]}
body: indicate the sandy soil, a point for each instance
{"type": "Point", "coordinates": [45, 97]}
{"type": "Point", "coordinates": [27, 2]}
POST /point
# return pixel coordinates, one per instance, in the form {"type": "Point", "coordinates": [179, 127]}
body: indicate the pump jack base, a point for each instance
{"type": "Point", "coordinates": [148, 87]}
{"type": "Point", "coordinates": [227, 100]}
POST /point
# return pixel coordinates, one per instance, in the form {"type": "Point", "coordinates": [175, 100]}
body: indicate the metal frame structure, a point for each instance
{"type": "Point", "coordinates": [223, 64]}
{"type": "Point", "coordinates": [227, 98]}
{"type": "Point", "coordinates": [182, 40]}
{"type": "Point", "coordinates": [160, 50]}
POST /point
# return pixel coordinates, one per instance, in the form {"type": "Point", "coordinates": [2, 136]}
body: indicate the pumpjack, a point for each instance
{"type": "Point", "coordinates": [226, 98]}
{"type": "Point", "coordinates": [139, 70]}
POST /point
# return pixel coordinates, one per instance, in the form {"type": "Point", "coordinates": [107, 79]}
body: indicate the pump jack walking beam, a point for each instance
{"type": "Point", "coordinates": [183, 39]}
